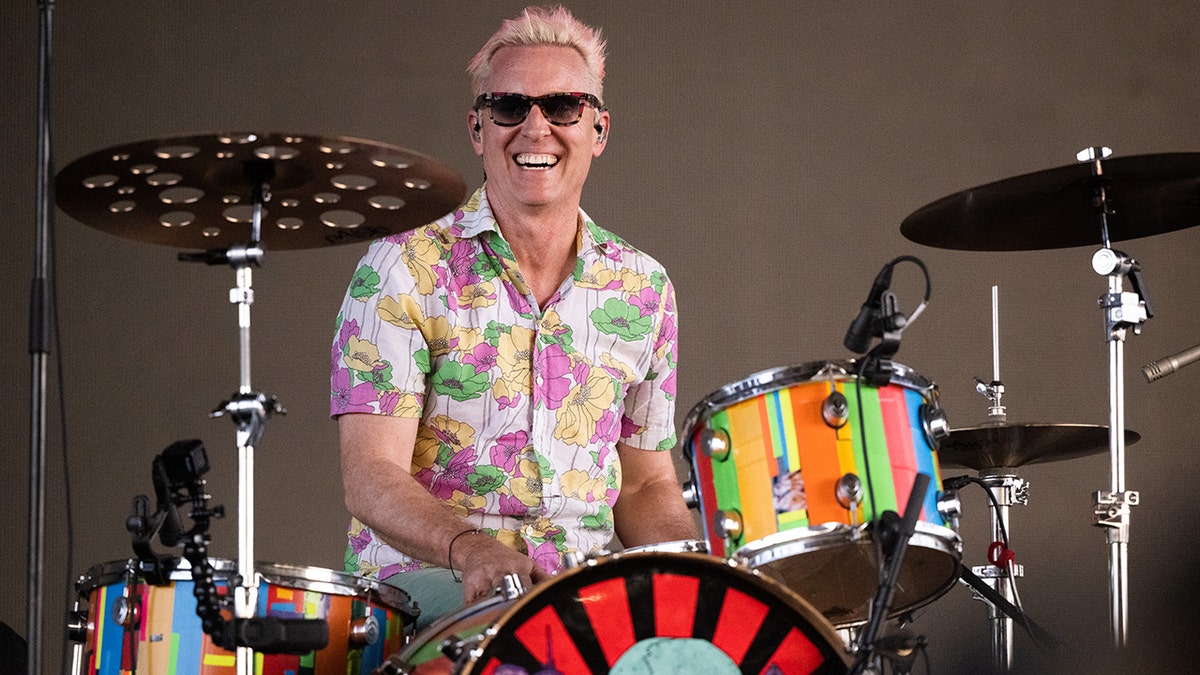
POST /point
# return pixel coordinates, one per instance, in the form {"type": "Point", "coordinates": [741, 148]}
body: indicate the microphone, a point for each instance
{"type": "Point", "coordinates": [1156, 370]}
{"type": "Point", "coordinates": [858, 335]}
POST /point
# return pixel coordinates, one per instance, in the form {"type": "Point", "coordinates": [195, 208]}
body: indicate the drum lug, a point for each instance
{"type": "Point", "coordinates": [691, 496]}
{"type": "Point", "coordinates": [950, 508]}
{"type": "Point", "coordinates": [727, 524]}
{"type": "Point", "coordinates": [849, 493]}
{"type": "Point", "coordinates": [835, 410]}
{"type": "Point", "coordinates": [125, 613]}
{"type": "Point", "coordinates": [935, 424]}
{"type": "Point", "coordinates": [714, 443]}
{"type": "Point", "coordinates": [364, 631]}
{"type": "Point", "coordinates": [77, 625]}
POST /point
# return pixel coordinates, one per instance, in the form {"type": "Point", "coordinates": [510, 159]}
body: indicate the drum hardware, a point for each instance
{"type": "Point", "coordinates": [714, 444]}
{"type": "Point", "coordinates": [510, 587]}
{"type": "Point", "coordinates": [950, 507]}
{"type": "Point", "coordinates": [728, 525]}
{"type": "Point", "coordinates": [850, 495]}
{"type": "Point", "coordinates": [1071, 206]}
{"type": "Point", "coordinates": [835, 410]}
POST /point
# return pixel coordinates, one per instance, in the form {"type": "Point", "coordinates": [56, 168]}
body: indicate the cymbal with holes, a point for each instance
{"type": "Point", "coordinates": [196, 192]}
{"type": "Point", "coordinates": [1012, 445]}
{"type": "Point", "coordinates": [1147, 194]}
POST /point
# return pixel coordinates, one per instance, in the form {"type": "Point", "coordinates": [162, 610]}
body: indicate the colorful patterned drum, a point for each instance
{"type": "Point", "coordinates": [770, 455]}
{"type": "Point", "coordinates": [141, 628]}
{"type": "Point", "coordinates": [640, 613]}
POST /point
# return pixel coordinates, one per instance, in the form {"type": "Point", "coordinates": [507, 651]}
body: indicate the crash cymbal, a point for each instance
{"type": "Point", "coordinates": [1148, 194]}
{"type": "Point", "coordinates": [1013, 445]}
{"type": "Point", "coordinates": [195, 191]}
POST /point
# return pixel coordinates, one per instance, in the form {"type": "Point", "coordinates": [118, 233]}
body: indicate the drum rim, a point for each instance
{"type": "Point", "coordinates": [781, 377]}
{"type": "Point", "coordinates": [765, 583]}
{"type": "Point", "coordinates": [673, 546]}
{"type": "Point", "coordinates": [945, 540]}
{"type": "Point", "coordinates": [302, 577]}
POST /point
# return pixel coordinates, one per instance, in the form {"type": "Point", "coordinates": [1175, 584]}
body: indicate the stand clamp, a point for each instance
{"type": "Point", "coordinates": [1111, 510]}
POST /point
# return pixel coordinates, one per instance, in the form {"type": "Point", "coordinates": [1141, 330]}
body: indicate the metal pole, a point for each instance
{"type": "Point", "coordinates": [39, 351]}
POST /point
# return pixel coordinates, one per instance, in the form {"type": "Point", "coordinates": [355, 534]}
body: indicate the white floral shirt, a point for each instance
{"type": "Point", "coordinates": [521, 406]}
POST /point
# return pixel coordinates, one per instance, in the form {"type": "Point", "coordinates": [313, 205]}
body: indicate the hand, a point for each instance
{"type": "Point", "coordinates": [485, 562]}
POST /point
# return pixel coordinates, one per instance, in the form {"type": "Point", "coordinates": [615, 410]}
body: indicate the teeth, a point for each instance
{"type": "Point", "coordinates": [534, 160]}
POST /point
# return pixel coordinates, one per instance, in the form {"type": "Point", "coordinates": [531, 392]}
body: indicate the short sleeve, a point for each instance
{"type": "Point", "coordinates": [649, 419]}
{"type": "Point", "coordinates": [379, 359]}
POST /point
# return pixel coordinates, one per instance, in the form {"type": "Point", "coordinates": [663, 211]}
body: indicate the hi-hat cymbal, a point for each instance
{"type": "Point", "coordinates": [1013, 445]}
{"type": "Point", "coordinates": [1148, 194]}
{"type": "Point", "coordinates": [195, 191]}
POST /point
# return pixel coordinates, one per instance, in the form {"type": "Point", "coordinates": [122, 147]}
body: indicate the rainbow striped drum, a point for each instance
{"type": "Point", "coordinates": [134, 627]}
{"type": "Point", "coordinates": [769, 456]}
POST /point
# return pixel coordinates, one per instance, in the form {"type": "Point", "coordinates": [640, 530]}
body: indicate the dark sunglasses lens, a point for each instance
{"type": "Point", "coordinates": [562, 109]}
{"type": "Point", "coordinates": [509, 109]}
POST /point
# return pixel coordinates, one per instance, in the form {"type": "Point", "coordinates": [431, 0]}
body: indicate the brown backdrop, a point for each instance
{"type": "Point", "coordinates": [766, 152]}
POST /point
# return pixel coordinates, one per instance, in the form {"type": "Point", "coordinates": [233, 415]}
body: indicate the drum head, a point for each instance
{"type": "Point", "coordinates": [835, 567]}
{"type": "Point", "coordinates": [626, 614]}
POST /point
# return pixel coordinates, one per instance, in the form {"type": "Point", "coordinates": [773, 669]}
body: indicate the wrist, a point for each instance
{"type": "Point", "coordinates": [450, 550]}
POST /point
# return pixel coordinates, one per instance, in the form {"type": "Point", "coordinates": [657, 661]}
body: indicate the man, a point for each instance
{"type": "Point", "coordinates": [514, 361]}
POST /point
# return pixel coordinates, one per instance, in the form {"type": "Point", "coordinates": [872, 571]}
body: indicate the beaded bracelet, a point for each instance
{"type": "Point", "coordinates": [450, 552]}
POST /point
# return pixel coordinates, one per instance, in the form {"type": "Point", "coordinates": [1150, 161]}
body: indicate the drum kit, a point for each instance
{"type": "Point", "coordinates": [819, 486]}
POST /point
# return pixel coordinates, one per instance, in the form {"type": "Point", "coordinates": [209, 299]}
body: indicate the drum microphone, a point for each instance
{"type": "Point", "coordinates": [858, 336]}
{"type": "Point", "coordinates": [1156, 370]}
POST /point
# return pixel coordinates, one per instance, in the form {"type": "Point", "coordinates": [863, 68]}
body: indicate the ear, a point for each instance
{"type": "Point", "coordinates": [603, 120]}
{"type": "Point", "coordinates": [475, 131]}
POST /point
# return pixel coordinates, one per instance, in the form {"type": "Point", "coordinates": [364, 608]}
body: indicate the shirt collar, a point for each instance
{"type": "Point", "coordinates": [477, 218]}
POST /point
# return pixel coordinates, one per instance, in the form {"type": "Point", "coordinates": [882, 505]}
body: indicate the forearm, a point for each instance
{"type": "Point", "coordinates": [376, 457]}
{"type": "Point", "coordinates": [653, 513]}
{"type": "Point", "coordinates": [401, 513]}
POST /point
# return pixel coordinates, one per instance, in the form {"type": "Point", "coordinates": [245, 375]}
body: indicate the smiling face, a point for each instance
{"type": "Point", "coordinates": [535, 166]}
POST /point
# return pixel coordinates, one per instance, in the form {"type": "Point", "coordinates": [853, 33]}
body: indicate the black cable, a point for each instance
{"type": "Point", "coordinates": [960, 481]}
{"type": "Point", "coordinates": [60, 379]}
{"type": "Point", "coordinates": [56, 331]}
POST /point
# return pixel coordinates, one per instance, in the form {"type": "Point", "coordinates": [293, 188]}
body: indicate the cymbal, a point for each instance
{"type": "Point", "coordinates": [1148, 194]}
{"type": "Point", "coordinates": [1013, 445]}
{"type": "Point", "coordinates": [196, 191]}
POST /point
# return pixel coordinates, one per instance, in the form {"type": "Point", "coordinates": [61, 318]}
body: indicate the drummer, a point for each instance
{"type": "Point", "coordinates": [504, 378]}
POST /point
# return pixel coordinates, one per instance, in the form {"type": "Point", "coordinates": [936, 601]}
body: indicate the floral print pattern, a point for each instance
{"type": "Point", "coordinates": [521, 406]}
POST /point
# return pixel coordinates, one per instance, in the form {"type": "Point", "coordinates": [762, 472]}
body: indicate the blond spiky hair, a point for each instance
{"type": "Point", "coordinates": [539, 26]}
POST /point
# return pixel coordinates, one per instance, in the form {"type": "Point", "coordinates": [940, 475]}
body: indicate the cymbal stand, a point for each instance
{"type": "Point", "coordinates": [1007, 489]}
{"type": "Point", "coordinates": [1122, 310]}
{"type": "Point", "coordinates": [249, 410]}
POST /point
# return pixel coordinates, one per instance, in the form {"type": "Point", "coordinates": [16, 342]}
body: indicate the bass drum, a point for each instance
{"type": "Point", "coordinates": [638, 613]}
{"type": "Point", "coordinates": [133, 627]}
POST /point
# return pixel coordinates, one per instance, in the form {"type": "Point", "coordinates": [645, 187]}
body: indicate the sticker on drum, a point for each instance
{"type": "Point", "coordinates": [155, 629]}
{"type": "Point", "coordinates": [768, 454]}
{"type": "Point", "coordinates": [642, 613]}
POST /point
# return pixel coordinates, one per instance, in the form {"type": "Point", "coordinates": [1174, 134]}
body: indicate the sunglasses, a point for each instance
{"type": "Point", "coordinates": [561, 109]}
